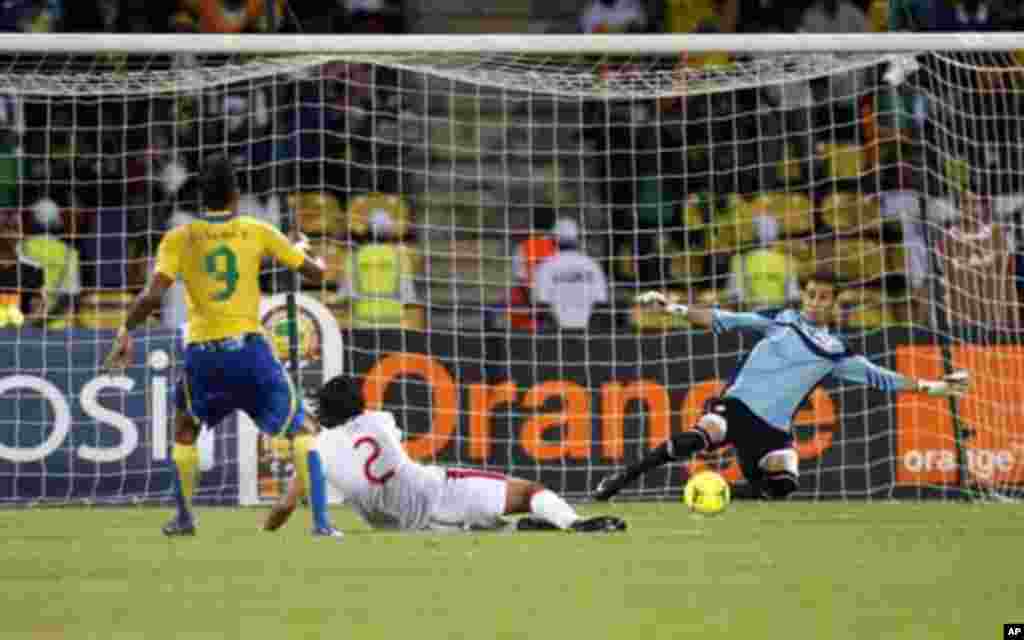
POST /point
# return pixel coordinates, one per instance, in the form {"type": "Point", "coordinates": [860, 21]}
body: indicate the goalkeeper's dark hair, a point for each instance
{"type": "Point", "coordinates": [338, 401]}
{"type": "Point", "coordinates": [822, 277]}
{"type": "Point", "coordinates": [218, 184]}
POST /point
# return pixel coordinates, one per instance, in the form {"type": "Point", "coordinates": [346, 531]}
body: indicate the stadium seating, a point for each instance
{"type": "Point", "coordinates": [684, 16]}
{"type": "Point", "coordinates": [802, 256]}
{"type": "Point", "coordinates": [842, 161]}
{"type": "Point", "coordinates": [683, 266]}
{"type": "Point", "coordinates": [788, 168]}
{"type": "Point", "coordinates": [360, 208]}
{"type": "Point", "coordinates": [730, 227]}
{"type": "Point", "coordinates": [858, 259]}
{"type": "Point", "coordinates": [878, 15]}
{"type": "Point", "coordinates": [793, 211]}
{"type": "Point", "coordinates": [109, 257]}
{"type": "Point", "coordinates": [847, 211]}
{"type": "Point", "coordinates": [317, 213]}
{"type": "Point", "coordinates": [868, 308]}
{"type": "Point", "coordinates": [104, 308]}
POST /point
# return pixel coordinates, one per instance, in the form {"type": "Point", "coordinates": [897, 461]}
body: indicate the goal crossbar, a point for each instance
{"type": "Point", "coordinates": [142, 44]}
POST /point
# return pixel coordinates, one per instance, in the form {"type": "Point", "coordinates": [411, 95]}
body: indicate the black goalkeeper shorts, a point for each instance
{"type": "Point", "coordinates": [748, 433]}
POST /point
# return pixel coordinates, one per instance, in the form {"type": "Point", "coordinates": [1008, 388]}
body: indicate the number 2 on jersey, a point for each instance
{"type": "Point", "coordinates": [374, 454]}
{"type": "Point", "coordinates": [222, 265]}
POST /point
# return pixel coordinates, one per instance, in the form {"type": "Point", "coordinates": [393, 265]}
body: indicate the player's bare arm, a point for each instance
{"type": "Point", "coordinates": [148, 301]}
{"type": "Point", "coordinates": [313, 267]}
{"type": "Point", "coordinates": [284, 507]}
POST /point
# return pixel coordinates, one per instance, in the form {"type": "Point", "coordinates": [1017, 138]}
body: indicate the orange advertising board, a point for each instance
{"type": "Point", "coordinates": [992, 414]}
{"type": "Point", "coordinates": [568, 432]}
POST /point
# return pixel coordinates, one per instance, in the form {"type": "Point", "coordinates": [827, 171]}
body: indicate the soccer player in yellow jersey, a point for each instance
{"type": "Point", "coordinates": [229, 365]}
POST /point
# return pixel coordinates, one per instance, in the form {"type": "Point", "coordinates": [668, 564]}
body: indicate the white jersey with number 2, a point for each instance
{"type": "Point", "coordinates": [365, 461]}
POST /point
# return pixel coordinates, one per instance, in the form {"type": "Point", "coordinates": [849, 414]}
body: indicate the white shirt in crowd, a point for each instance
{"type": "Point", "coordinates": [618, 17]}
{"type": "Point", "coordinates": [571, 282]}
{"type": "Point", "coordinates": [848, 18]}
{"type": "Point", "coordinates": [904, 205]}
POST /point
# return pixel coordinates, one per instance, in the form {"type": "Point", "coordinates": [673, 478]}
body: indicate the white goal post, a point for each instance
{"type": "Point", "coordinates": [720, 168]}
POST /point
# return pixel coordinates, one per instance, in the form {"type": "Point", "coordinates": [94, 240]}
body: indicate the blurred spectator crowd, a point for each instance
{"type": "Point", "coordinates": [725, 198]}
{"type": "Point", "coordinates": [201, 16]}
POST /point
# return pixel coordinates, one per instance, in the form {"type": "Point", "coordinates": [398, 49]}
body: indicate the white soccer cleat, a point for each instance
{"type": "Point", "coordinates": [327, 532]}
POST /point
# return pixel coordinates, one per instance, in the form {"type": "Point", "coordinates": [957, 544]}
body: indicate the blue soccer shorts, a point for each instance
{"type": "Point", "coordinates": [239, 374]}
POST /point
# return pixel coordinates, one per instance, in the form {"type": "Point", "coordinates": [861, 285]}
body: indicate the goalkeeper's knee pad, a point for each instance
{"type": "Point", "coordinates": [780, 473]}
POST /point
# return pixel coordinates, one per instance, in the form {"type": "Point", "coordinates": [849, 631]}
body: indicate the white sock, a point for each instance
{"type": "Point", "coordinates": [549, 506]}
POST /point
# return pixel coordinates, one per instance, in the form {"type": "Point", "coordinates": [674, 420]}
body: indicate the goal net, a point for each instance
{"type": "Point", "coordinates": [441, 177]}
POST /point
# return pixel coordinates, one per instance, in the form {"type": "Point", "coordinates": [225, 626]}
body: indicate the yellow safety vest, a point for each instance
{"type": "Point", "coordinates": [377, 279]}
{"type": "Point", "coordinates": [763, 277]}
{"type": "Point", "coordinates": [58, 260]}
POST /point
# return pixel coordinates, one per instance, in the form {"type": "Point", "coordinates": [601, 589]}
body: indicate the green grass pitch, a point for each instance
{"type": "Point", "coordinates": [794, 571]}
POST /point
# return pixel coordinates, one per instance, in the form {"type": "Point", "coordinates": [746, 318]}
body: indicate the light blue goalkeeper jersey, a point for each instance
{"type": "Point", "coordinates": [792, 358]}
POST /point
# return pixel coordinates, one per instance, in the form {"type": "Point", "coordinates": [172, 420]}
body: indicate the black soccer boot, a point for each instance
{"type": "Point", "coordinates": [179, 527]}
{"type": "Point", "coordinates": [609, 486]}
{"type": "Point", "coordinates": [530, 523]}
{"type": "Point", "coordinates": [599, 524]}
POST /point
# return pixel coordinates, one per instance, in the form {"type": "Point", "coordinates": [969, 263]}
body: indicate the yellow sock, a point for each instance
{"type": "Point", "coordinates": [311, 475]}
{"type": "Point", "coordinates": [186, 459]}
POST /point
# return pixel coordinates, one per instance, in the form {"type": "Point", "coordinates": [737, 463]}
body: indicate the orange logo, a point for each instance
{"type": "Point", "coordinates": [991, 414]}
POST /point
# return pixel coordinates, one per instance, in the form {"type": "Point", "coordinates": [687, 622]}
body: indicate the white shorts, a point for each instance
{"type": "Point", "coordinates": [470, 499]}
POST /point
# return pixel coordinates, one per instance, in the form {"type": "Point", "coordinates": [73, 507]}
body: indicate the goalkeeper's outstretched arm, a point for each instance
{"type": "Point", "coordinates": [860, 369]}
{"type": "Point", "coordinates": [697, 316]}
{"type": "Point", "coordinates": [705, 317]}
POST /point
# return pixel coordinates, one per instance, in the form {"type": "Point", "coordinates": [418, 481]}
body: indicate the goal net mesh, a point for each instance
{"type": "Point", "coordinates": [436, 185]}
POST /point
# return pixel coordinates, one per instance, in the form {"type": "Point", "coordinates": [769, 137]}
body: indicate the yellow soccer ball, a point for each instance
{"type": "Point", "coordinates": [707, 493]}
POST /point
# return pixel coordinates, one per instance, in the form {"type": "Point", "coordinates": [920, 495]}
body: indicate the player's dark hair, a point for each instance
{"type": "Point", "coordinates": [338, 401]}
{"type": "Point", "coordinates": [218, 183]}
{"type": "Point", "coordinates": [821, 277]}
{"type": "Point", "coordinates": [543, 218]}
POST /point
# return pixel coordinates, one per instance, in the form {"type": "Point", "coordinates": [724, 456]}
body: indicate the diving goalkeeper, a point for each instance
{"type": "Point", "coordinates": [755, 412]}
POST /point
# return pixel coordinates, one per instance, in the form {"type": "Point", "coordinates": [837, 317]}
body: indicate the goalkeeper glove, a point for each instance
{"type": "Point", "coordinates": [953, 384]}
{"type": "Point", "coordinates": [657, 298]}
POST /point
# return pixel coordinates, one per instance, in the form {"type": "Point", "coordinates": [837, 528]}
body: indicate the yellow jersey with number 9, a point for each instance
{"type": "Point", "coordinates": [218, 260]}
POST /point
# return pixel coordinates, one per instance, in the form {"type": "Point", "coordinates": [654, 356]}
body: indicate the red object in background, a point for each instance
{"type": "Point", "coordinates": [532, 251]}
